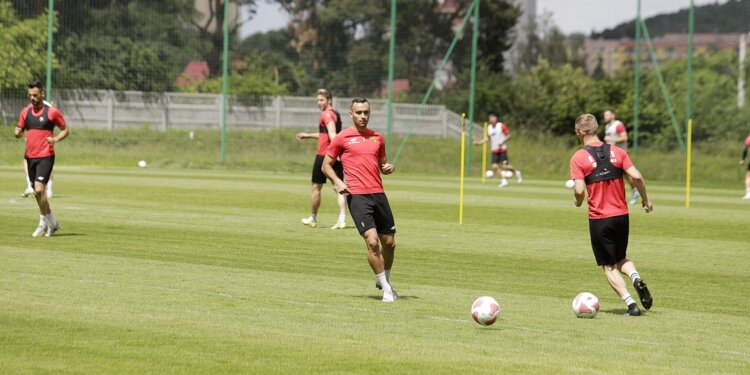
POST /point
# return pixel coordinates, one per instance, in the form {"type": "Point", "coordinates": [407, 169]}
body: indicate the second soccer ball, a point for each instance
{"type": "Point", "coordinates": [485, 310]}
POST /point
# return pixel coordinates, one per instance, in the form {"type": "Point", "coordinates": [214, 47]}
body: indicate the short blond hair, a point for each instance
{"type": "Point", "coordinates": [326, 93]}
{"type": "Point", "coordinates": [587, 123]}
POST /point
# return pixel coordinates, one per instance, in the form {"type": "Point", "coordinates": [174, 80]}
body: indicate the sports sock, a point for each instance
{"type": "Point", "coordinates": [42, 219]}
{"type": "Point", "coordinates": [342, 217]}
{"type": "Point", "coordinates": [51, 219]}
{"type": "Point", "coordinates": [627, 299]}
{"type": "Point", "coordinates": [634, 275]}
{"type": "Point", "coordinates": [383, 281]}
{"type": "Point", "coordinates": [314, 217]}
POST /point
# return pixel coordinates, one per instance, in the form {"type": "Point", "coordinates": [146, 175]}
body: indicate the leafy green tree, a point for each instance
{"type": "Point", "coordinates": [251, 78]}
{"type": "Point", "coordinates": [23, 51]}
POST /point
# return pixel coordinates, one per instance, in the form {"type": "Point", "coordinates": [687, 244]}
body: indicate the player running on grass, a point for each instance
{"type": "Point", "coordinates": [362, 151]}
{"type": "Point", "coordinates": [598, 169]}
{"type": "Point", "coordinates": [328, 126]}
{"type": "Point", "coordinates": [38, 120]}
{"type": "Point", "coordinates": [747, 174]}
{"type": "Point", "coordinates": [498, 136]}
{"type": "Point", "coordinates": [616, 134]}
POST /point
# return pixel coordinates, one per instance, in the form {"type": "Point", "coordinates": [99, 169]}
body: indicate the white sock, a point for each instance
{"type": "Point", "coordinates": [42, 219]}
{"type": "Point", "coordinates": [628, 299]}
{"type": "Point", "coordinates": [51, 219]}
{"type": "Point", "coordinates": [342, 218]}
{"type": "Point", "coordinates": [518, 172]}
{"type": "Point", "coordinates": [28, 185]}
{"type": "Point", "coordinates": [634, 275]}
{"type": "Point", "coordinates": [314, 217]}
{"type": "Point", "coordinates": [746, 190]}
{"type": "Point", "coordinates": [383, 281]}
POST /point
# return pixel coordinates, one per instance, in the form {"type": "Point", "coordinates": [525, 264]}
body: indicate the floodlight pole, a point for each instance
{"type": "Point", "coordinates": [637, 79]}
{"type": "Point", "coordinates": [225, 83]}
{"type": "Point", "coordinates": [472, 84]}
{"type": "Point", "coordinates": [50, 26]}
{"type": "Point", "coordinates": [391, 51]}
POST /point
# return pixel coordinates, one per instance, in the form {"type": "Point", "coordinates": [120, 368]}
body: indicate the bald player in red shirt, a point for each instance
{"type": "Point", "coordinates": [362, 151]}
{"type": "Point", "coordinates": [747, 174]}
{"type": "Point", "coordinates": [38, 120]}
{"type": "Point", "coordinates": [598, 170]}
{"type": "Point", "coordinates": [328, 126]}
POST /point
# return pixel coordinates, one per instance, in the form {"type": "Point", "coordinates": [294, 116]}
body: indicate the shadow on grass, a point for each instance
{"type": "Point", "coordinates": [622, 312]}
{"type": "Point", "coordinates": [378, 297]}
{"type": "Point", "coordinates": [68, 234]}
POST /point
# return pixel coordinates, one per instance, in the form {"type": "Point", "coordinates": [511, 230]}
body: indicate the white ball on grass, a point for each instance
{"type": "Point", "coordinates": [142, 164]}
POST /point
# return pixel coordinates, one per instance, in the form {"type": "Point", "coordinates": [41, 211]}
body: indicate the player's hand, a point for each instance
{"type": "Point", "coordinates": [647, 206]}
{"type": "Point", "coordinates": [341, 188]}
{"type": "Point", "coordinates": [51, 140]}
{"type": "Point", "coordinates": [300, 136]}
{"type": "Point", "coordinates": [387, 168]}
{"type": "Point", "coordinates": [18, 131]}
{"type": "Point", "coordinates": [577, 203]}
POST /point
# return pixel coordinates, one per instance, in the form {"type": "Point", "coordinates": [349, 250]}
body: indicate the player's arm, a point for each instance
{"type": "Point", "coordinates": [621, 137]}
{"type": "Point", "coordinates": [59, 137]}
{"type": "Point", "coordinates": [385, 166]}
{"type": "Point", "coordinates": [327, 170]}
{"type": "Point", "coordinates": [18, 131]}
{"type": "Point", "coordinates": [22, 125]}
{"type": "Point", "coordinates": [485, 139]}
{"type": "Point", "coordinates": [744, 153]}
{"type": "Point", "coordinates": [637, 179]}
{"type": "Point", "coordinates": [331, 128]}
{"type": "Point", "coordinates": [579, 192]}
{"type": "Point", "coordinates": [57, 118]}
{"type": "Point", "coordinates": [300, 136]}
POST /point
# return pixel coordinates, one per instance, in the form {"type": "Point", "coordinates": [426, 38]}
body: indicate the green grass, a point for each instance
{"type": "Point", "coordinates": [162, 270]}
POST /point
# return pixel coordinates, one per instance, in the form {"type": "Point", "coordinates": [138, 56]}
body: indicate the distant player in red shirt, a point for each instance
{"type": "Point", "coordinates": [498, 135]}
{"type": "Point", "coordinates": [747, 174]}
{"type": "Point", "coordinates": [597, 169]}
{"type": "Point", "coordinates": [38, 120]}
{"type": "Point", "coordinates": [328, 126]}
{"type": "Point", "coordinates": [362, 151]}
{"type": "Point", "coordinates": [616, 134]}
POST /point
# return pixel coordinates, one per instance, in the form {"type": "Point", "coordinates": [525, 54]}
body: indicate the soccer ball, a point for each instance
{"type": "Point", "coordinates": [485, 310]}
{"type": "Point", "coordinates": [570, 184]}
{"type": "Point", "coordinates": [585, 305]}
{"type": "Point", "coordinates": [506, 174]}
{"type": "Point", "coordinates": [142, 164]}
{"type": "Point", "coordinates": [489, 174]}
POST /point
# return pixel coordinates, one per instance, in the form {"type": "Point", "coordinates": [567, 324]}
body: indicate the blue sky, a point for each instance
{"type": "Point", "coordinates": [570, 15]}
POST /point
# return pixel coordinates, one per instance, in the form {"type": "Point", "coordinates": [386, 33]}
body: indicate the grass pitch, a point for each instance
{"type": "Point", "coordinates": [182, 271]}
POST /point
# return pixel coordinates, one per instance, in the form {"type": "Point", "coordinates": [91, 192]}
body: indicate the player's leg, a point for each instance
{"type": "Point", "coordinates": [41, 169]}
{"type": "Point", "coordinates": [386, 227]}
{"type": "Point", "coordinates": [48, 190]}
{"type": "Point", "coordinates": [603, 242]}
{"type": "Point", "coordinates": [340, 198]}
{"type": "Point", "coordinates": [497, 167]}
{"type": "Point", "coordinates": [362, 209]}
{"type": "Point", "coordinates": [626, 267]}
{"type": "Point", "coordinates": [318, 180]}
{"type": "Point", "coordinates": [747, 183]}
{"type": "Point", "coordinates": [29, 188]}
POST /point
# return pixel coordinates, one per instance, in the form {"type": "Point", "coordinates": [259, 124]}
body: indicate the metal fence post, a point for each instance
{"type": "Point", "coordinates": [110, 110]}
{"type": "Point", "coordinates": [165, 112]}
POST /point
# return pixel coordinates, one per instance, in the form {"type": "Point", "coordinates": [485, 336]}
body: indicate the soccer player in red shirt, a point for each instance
{"type": "Point", "coordinates": [328, 126]}
{"type": "Point", "coordinates": [38, 120]}
{"type": "Point", "coordinates": [597, 169]}
{"type": "Point", "coordinates": [362, 151]}
{"type": "Point", "coordinates": [498, 135]}
{"type": "Point", "coordinates": [747, 174]}
{"type": "Point", "coordinates": [616, 134]}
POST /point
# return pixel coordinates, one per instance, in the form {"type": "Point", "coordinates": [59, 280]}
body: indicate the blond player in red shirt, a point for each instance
{"type": "Point", "coordinates": [362, 151]}
{"type": "Point", "coordinates": [38, 120]}
{"type": "Point", "coordinates": [747, 174]}
{"type": "Point", "coordinates": [329, 125]}
{"type": "Point", "coordinates": [598, 170]}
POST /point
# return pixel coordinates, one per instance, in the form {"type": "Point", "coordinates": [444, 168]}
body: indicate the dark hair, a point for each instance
{"type": "Point", "coordinates": [359, 100]}
{"type": "Point", "coordinates": [492, 114]}
{"type": "Point", "coordinates": [326, 93]}
{"type": "Point", "coordinates": [36, 84]}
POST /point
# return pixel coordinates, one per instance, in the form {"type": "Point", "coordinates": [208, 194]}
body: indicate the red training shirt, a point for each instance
{"type": "Point", "coordinates": [39, 128]}
{"type": "Point", "coordinates": [747, 141]}
{"type": "Point", "coordinates": [605, 198]}
{"type": "Point", "coordinates": [360, 155]}
{"type": "Point", "coordinates": [326, 117]}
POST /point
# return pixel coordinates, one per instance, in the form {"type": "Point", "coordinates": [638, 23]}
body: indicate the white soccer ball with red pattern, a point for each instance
{"type": "Point", "coordinates": [485, 310]}
{"type": "Point", "coordinates": [585, 305]}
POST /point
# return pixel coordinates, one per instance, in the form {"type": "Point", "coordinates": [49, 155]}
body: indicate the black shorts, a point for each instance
{"type": "Point", "coordinates": [318, 177]}
{"type": "Point", "coordinates": [371, 211]}
{"type": "Point", "coordinates": [609, 239]}
{"type": "Point", "coordinates": [40, 169]}
{"type": "Point", "coordinates": [501, 158]}
{"type": "Point", "coordinates": [748, 167]}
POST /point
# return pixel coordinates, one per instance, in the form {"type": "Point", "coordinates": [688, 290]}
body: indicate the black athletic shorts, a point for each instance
{"type": "Point", "coordinates": [371, 211]}
{"type": "Point", "coordinates": [609, 239]}
{"type": "Point", "coordinates": [501, 158]}
{"type": "Point", "coordinates": [318, 177]}
{"type": "Point", "coordinates": [748, 167]}
{"type": "Point", "coordinates": [40, 169]}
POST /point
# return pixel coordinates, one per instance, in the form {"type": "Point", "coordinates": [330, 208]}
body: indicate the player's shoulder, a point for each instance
{"type": "Point", "coordinates": [747, 140]}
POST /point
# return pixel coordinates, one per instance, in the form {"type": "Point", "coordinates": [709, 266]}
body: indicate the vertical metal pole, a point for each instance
{"type": "Point", "coordinates": [472, 84]}
{"type": "Point", "coordinates": [463, 171]}
{"type": "Point", "coordinates": [391, 51]}
{"type": "Point", "coordinates": [741, 79]}
{"type": "Point", "coordinates": [50, 26]}
{"type": "Point", "coordinates": [484, 154]}
{"type": "Point", "coordinates": [688, 162]}
{"type": "Point", "coordinates": [225, 83]}
{"type": "Point", "coordinates": [637, 79]}
{"type": "Point", "coordinates": [688, 105]}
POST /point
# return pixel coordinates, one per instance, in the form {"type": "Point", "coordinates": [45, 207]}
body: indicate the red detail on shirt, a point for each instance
{"type": "Point", "coordinates": [620, 128]}
{"type": "Point", "coordinates": [36, 139]}
{"type": "Point", "coordinates": [326, 117]}
{"type": "Point", "coordinates": [360, 155]}
{"type": "Point", "coordinates": [747, 141]}
{"type": "Point", "coordinates": [605, 198]}
{"type": "Point", "coordinates": [504, 146]}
